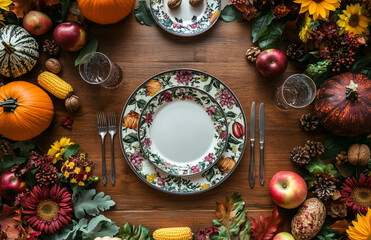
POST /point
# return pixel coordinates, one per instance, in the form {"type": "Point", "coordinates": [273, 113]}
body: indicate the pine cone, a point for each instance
{"type": "Point", "coordinates": [6, 147]}
{"type": "Point", "coordinates": [324, 188]}
{"type": "Point", "coordinates": [51, 48]}
{"type": "Point", "coordinates": [295, 51]}
{"type": "Point", "coordinates": [253, 53]}
{"type": "Point", "coordinates": [314, 148]}
{"type": "Point", "coordinates": [341, 158]}
{"type": "Point", "coordinates": [300, 156]}
{"type": "Point", "coordinates": [47, 175]}
{"type": "Point", "coordinates": [309, 122]}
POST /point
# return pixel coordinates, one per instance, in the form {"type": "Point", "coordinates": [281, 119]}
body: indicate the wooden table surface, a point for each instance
{"type": "Point", "coordinates": [143, 51]}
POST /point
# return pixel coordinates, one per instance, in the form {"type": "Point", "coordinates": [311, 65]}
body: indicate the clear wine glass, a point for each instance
{"type": "Point", "coordinates": [97, 68]}
{"type": "Point", "coordinates": [297, 91]}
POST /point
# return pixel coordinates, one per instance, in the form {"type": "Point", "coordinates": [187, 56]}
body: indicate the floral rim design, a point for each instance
{"type": "Point", "coordinates": [179, 27]}
{"type": "Point", "coordinates": [212, 108]}
{"type": "Point", "coordinates": [189, 184]}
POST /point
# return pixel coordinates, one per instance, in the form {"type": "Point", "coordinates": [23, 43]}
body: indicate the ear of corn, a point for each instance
{"type": "Point", "coordinates": [176, 233]}
{"type": "Point", "coordinates": [54, 84]}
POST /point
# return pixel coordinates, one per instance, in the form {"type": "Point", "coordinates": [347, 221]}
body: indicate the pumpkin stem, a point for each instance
{"type": "Point", "coordinates": [352, 91]}
{"type": "Point", "coordinates": [9, 49]}
{"type": "Point", "coordinates": [9, 104]}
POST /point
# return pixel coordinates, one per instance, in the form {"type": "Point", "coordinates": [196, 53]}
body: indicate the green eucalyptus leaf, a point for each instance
{"type": "Point", "coordinates": [143, 14]}
{"type": "Point", "coordinates": [9, 161]}
{"type": "Point", "coordinates": [65, 7]}
{"type": "Point", "coordinates": [310, 57]}
{"type": "Point", "coordinates": [99, 226]}
{"type": "Point", "coordinates": [91, 47]}
{"type": "Point", "coordinates": [90, 203]}
{"type": "Point", "coordinates": [24, 148]}
{"type": "Point", "coordinates": [271, 36]}
{"type": "Point", "coordinates": [71, 150]}
{"type": "Point", "coordinates": [316, 166]}
{"type": "Point", "coordinates": [61, 235]}
{"type": "Point", "coordinates": [129, 232]}
{"type": "Point", "coordinates": [260, 24]}
{"type": "Point", "coordinates": [230, 13]}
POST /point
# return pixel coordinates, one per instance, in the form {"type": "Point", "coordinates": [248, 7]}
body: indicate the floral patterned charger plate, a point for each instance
{"type": "Point", "coordinates": [188, 184]}
{"type": "Point", "coordinates": [186, 20]}
{"type": "Point", "coordinates": [182, 129]}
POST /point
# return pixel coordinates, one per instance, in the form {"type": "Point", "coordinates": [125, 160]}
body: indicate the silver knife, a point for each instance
{"type": "Point", "coordinates": [261, 143]}
{"type": "Point", "coordinates": [252, 145]}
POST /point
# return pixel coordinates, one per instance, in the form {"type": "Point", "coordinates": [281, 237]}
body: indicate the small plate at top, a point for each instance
{"type": "Point", "coordinates": [186, 20]}
{"type": "Point", "coordinates": [183, 131]}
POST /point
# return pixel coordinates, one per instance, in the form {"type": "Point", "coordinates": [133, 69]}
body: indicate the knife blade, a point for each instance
{"type": "Point", "coordinates": [261, 143]}
{"type": "Point", "coordinates": [252, 145]}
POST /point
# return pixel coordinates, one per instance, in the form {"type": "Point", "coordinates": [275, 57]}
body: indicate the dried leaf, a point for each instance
{"type": "Point", "coordinates": [231, 216]}
{"type": "Point", "coordinates": [21, 7]}
{"type": "Point", "coordinates": [341, 226]}
{"type": "Point", "coordinates": [11, 223]}
{"type": "Point", "coordinates": [265, 228]}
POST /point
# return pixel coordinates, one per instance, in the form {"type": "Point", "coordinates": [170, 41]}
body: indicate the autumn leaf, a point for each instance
{"type": "Point", "coordinates": [265, 228]}
{"type": "Point", "coordinates": [11, 223]}
{"type": "Point", "coordinates": [341, 226]}
{"type": "Point", "coordinates": [20, 7]}
{"type": "Point", "coordinates": [231, 216]}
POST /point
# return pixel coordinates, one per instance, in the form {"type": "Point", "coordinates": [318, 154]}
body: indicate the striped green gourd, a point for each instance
{"type": "Point", "coordinates": [19, 51]}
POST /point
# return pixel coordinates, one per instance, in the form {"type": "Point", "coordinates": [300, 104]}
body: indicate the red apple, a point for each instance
{"type": "Point", "coordinates": [70, 36]}
{"type": "Point", "coordinates": [284, 236]}
{"type": "Point", "coordinates": [37, 23]}
{"type": "Point", "coordinates": [11, 185]}
{"type": "Point", "coordinates": [288, 189]}
{"type": "Point", "coordinates": [271, 63]}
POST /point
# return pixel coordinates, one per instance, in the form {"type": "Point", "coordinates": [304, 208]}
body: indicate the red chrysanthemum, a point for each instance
{"type": "Point", "coordinates": [357, 193]}
{"type": "Point", "coordinates": [48, 209]}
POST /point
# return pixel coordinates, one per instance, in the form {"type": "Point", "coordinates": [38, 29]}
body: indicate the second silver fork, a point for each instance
{"type": "Point", "coordinates": [102, 131]}
{"type": "Point", "coordinates": [112, 132]}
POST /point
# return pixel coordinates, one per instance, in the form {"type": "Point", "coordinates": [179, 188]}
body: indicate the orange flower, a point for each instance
{"type": "Point", "coordinates": [153, 87]}
{"type": "Point", "coordinates": [131, 120]}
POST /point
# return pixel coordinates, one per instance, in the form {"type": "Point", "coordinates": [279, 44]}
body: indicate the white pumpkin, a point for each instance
{"type": "Point", "coordinates": [19, 51]}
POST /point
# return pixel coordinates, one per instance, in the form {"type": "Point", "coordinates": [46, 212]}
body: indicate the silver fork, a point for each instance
{"type": "Point", "coordinates": [112, 132]}
{"type": "Point", "coordinates": [102, 131]}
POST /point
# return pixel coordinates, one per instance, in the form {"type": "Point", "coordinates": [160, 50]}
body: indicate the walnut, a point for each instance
{"type": "Point", "coordinates": [72, 103]}
{"type": "Point", "coordinates": [173, 4]}
{"type": "Point", "coordinates": [195, 3]}
{"type": "Point", "coordinates": [53, 65]}
{"type": "Point", "coordinates": [359, 154]}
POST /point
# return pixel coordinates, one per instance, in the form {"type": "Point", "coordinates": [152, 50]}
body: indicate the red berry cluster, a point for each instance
{"type": "Point", "coordinates": [280, 11]}
{"type": "Point", "coordinates": [340, 49]}
{"type": "Point", "coordinates": [343, 53]}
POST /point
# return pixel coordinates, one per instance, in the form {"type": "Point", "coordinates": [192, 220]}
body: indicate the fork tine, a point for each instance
{"type": "Point", "coordinates": [98, 119]}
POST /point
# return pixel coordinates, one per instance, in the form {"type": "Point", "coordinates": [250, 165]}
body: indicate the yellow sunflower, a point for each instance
{"type": "Point", "coordinates": [4, 4]}
{"type": "Point", "coordinates": [56, 150]}
{"type": "Point", "coordinates": [305, 30]}
{"type": "Point", "coordinates": [362, 227]}
{"type": "Point", "coordinates": [318, 8]}
{"type": "Point", "coordinates": [352, 20]}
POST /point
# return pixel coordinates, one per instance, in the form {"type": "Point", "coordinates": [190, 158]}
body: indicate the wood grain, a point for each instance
{"type": "Point", "coordinates": [143, 51]}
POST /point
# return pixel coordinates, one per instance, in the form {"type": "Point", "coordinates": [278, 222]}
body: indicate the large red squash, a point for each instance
{"type": "Point", "coordinates": [25, 110]}
{"type": "Point", "coordinates": [105, 11]}
{"type": "Point", "coordinates": [343, 104]}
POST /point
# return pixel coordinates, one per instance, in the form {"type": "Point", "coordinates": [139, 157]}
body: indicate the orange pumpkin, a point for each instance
{"type": "Point", "coordinates": [105, 11]}
{"type": "Point", "coordinates": [25, 110]}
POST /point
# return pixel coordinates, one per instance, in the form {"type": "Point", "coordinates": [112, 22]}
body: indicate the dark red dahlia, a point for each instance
{"type": "Point", "coordinates": [48, 209]}
{"type": "Point", "coordinates": [357, 193]}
